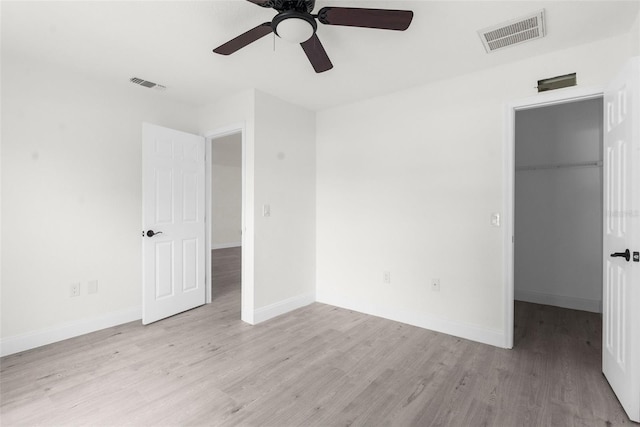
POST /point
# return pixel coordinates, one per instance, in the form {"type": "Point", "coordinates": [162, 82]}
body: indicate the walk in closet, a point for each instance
{"type": "Point", "coordinates": [558, 205]}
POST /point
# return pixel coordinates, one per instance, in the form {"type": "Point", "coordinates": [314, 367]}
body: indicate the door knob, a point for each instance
{"type": "Point", "coordinates": [152, 233]}
{"type": "Point", "coordinates": [626, 255]}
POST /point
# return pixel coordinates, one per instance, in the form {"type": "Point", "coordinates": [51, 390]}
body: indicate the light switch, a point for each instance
{"type": "Point", "coordinates": [266, 211]}
{"type": "Point", "coordinates": [495, 219]}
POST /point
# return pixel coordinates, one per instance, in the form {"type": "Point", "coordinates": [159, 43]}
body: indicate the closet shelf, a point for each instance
{"type": "Point", "coordinates": [593, 164]}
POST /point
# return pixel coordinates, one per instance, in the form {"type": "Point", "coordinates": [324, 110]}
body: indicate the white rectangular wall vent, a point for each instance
{"type": "Point", "coordinates": [146, 83]}
{"type": "Point", "coordinates": [514, 32]}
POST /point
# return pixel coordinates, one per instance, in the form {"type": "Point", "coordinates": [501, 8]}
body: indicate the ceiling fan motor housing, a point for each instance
{"type": "Point", "coordinates": [297, 5]}
{"type": "Point", "coordinates": [293, 14]}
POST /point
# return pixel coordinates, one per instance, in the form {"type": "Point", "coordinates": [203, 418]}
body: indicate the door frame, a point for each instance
{"type": "Point", "coordinates": [560, 96]}
{"type": "Point", "coordinates": [247, 283]}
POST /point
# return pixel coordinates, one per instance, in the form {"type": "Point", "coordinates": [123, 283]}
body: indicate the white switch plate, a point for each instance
{"type": "Point", "coordinates": [266, 211]}
{"type": "Point", "coordinates": [435, 285]}
{"type": "Point", "coordinates": [495, 219]}
{"type": "Point", "coordinates": [386, 277]}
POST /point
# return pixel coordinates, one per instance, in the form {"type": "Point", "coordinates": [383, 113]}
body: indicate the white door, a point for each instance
{"type": "Point", "coordinates": [621, 299]}
{"type": "Point", "coordinates": [173, 212]}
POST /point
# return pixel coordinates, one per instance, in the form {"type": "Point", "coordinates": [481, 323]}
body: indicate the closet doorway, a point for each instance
{"type": "Point", "coordinates": [558, 205]}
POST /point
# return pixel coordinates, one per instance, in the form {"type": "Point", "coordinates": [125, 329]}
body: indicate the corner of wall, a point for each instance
{"type": "Point", "coordinates": [464, 330]}
{"type": "Point", "coordinates": [284, 180]}
{"type": "Point", "coordinates": [235, 108]}
{"type": "Point", "coordinates": [282, 307]}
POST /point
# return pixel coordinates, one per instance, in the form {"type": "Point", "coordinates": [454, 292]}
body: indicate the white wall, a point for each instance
{"type": "Point", "coordinates": [285, 179]}
{"type": "Point", "coordinates": [226, 189]}
{"type": "Point", "coordinates": [279, 171]}
{"type": "Point", "coordinates": [634, 37]}
{"type": "Point", "coordinates": [407, 182]}
{"type": "Point", "coordinates": [71, 198]}
{"type": "Point", "coordinates": [558, 212]}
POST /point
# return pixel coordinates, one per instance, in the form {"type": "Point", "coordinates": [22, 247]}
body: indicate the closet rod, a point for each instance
{"type": "Point", "coordinates": [596, 164]}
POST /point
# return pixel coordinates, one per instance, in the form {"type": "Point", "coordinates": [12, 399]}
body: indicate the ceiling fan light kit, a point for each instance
{"type": "Point", "coordinates": [293, 26]}
{"type": "Point", "coordinates": [295, 23]}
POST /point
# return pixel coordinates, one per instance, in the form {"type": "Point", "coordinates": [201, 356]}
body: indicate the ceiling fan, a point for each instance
{"type": "Point", "coordinates": [295, 23]}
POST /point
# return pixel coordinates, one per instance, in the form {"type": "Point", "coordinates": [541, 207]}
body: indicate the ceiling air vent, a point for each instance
{"type": "Point", "coordinates": [514, 32]}
{"type": "Point", "coordinates": [146, 83]}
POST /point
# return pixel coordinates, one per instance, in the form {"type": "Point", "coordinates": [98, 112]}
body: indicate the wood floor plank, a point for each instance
{"type": "Point", "coordinates": [316, 366]}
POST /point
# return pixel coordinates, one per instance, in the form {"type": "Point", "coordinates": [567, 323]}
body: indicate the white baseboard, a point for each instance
{"type": "Point", "coordinates": [18, 343]}
{"type": "Point", "coordinates": [281, 307]}
{"type": "Point", "coordinates": [463, 330]}
{"type": "Point", "coordinates": [574, 303]}
{"type": "Point", "coordinates": [215, 246]}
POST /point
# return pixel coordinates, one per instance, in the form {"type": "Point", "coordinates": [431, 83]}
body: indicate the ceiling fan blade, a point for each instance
{"type": "Point", "coordinates": [263, 3]}
{"type": "Point", "coordinates": [316, 54]}
{"type": "Point", "coordinates": [244, 39]}
{"type": "Point", "coordinates": [386, 19]}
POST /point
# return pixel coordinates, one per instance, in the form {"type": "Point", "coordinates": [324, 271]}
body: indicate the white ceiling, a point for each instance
{"type": "Point", "coordinates": [170, 43]}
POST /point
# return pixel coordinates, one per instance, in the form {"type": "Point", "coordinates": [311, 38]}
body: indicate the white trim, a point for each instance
{"type": "Point", "coordinates": [557, 97]}
{"type": "Point", "coordinates": [560, 96]}
{"type": "Point", "coordinates": [215, 246]}
{"type": "Point", "coordinates": [459, 329]}
{"type": "Point", "coordinates": [30, 340]}
{"type": "Point", "coordinates": [508, 209]}
{"type": "Point", "coordinates": [574, 303]}
{"type": "Point", "coordinates": [282, 307]}
{"type": "Point", "coordinates": [247, 283]}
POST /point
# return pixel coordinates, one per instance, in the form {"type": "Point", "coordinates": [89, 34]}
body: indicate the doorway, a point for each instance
{"type": "Point", "coordinates": [228, 230]}
{"type": "Point", "coordinates": [558, 205]}
{"type": "Point", "coordinates": [560, 97]}
{"type": "Point", "coordinates": [226, 219]}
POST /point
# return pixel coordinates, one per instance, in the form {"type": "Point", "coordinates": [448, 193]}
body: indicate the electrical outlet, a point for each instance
{"type": "Point", "coordinates": [386, 277]}
{"type": "Point", "coordinates": [74, 290]}
{"type": "Point", "coordinates": [92, 287]}
{"type": "Point", "coordinates": [435, 285]}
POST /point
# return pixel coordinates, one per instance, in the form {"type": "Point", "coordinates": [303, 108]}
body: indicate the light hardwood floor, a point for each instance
{"type": "Point", "coordinates": [317, 366]}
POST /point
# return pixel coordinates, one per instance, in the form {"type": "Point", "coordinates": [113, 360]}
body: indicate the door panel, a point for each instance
{"type": "Point", "coordinates": [189, 265]}
{"type": "Point", "coordinates": [621, 290]}
{"type": "Point", "coordinates": [173, 207]}
{"type": "Point", "coordinates": [163, 196]}
{"type": "Point", "coordinates": [164, 270]}
{"type": "Point", "coordinates": [190, 199]}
